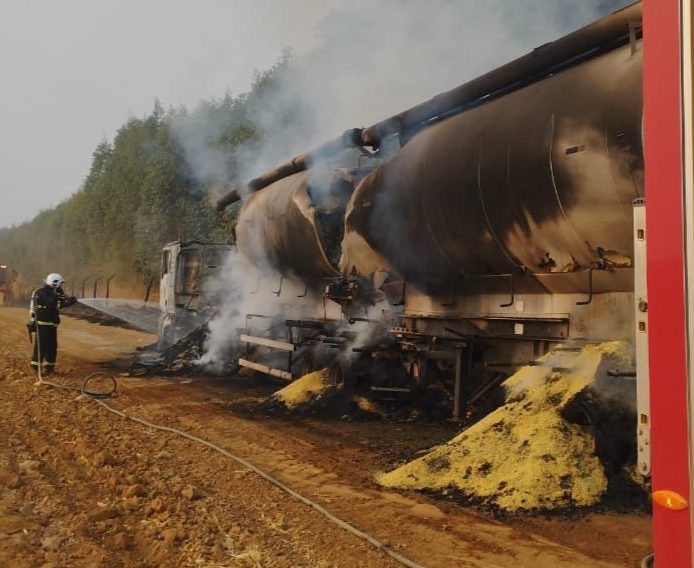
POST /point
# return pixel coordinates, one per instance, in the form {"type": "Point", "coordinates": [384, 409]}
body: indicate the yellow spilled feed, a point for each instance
{"type": "Point", "coordinates": [304, 389]}
{"type": "Point", "coordinates": [366, 405]}
{"type": "Point", "coordinates": [523, 455]}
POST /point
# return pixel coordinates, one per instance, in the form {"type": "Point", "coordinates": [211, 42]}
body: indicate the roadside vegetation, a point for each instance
{"type": "Point", "coordinates": [146, 188]}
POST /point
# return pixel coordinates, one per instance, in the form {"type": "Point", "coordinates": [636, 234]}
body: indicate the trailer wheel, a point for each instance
{"type": "Point", "coordinates": [308, 364]}
{"type": "Point", "coordinates": [336, 374]}
{"type": "Point", "coordinates": [419, 372]}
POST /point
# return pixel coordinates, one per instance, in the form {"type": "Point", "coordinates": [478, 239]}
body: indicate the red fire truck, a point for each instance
{"type": "Point", "coordinates": [669, 143]}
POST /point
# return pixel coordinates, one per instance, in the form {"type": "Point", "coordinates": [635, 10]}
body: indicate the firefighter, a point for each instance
{"type": "Point", "coordinates": [46, 303]}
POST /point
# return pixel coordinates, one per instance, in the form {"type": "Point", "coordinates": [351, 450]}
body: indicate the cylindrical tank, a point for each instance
{"type": "Point", "coordinates": [539, 180]}
{"type": "Point", "coordinates": [279, 229]}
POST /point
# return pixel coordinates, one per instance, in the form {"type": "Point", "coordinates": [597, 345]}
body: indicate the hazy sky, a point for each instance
{"type": "Point", "coordinates": [74, 70]}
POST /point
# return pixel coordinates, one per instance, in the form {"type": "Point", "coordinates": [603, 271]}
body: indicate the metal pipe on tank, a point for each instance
{"type": "Point", "coordinates": [528, 68]}
{"type": "Point", "coordinates": [616, 28]}
{"type": "Point", "coordinates": [349, 139]}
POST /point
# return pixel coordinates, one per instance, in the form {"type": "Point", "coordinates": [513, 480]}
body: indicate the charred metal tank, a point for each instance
{"type": "Point", "coordinates": [540, 180]}
{"type": "Point", "coordinates": [295, 225]}
{"type": "Point", "coordinates": [278, 229]}
{"type": "Point", "coordinates": [499, 216]}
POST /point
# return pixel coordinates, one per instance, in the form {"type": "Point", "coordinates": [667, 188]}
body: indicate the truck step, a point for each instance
{"type": "Point", "coordinates": [265, 342]}
{"type": "Point", "coordinates": [391, 389]}
{"type": "Point", "coordinates": [266, 370]}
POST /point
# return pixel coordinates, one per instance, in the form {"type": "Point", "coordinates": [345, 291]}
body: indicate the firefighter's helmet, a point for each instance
{"type": "Point", "coordinates": [54, 279]}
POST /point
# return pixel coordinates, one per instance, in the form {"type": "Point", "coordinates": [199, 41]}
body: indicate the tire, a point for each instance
{"type": "Point", "coordinates": [307, 364]}
{"type": "Point", "coordinates": [419, 372]}
{"type": "Point", "coordinates": [336, 374]}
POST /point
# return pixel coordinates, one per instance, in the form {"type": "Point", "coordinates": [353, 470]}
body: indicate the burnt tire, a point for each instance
{"type": "Point", "coordinates": [308, 364]}
{"type": "Point", "coordinates": [336, 374]}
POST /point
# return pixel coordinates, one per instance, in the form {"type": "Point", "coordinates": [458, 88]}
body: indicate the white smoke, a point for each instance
{"type": "Point", "coordinates": [255, 301]}
{"type": "Point", "coordinates": [139, 314]}
{"type": "Point", "coordinates": [378, 58]}
{"type": "Point", "coordinates": [198, 136]}
{"type": "Point", "coordinates": [232, 287]}
{"type": "Point", "coordinates": [373, 60]}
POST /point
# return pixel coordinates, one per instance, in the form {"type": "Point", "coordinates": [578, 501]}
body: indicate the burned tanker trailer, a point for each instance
{"type": "Point", "coordinates": [513, 220]}
{"type": "Point", "coordinates": [291, 232]}
{"type": "Point", "coordinates": [279, 229]}
{"type": "Point", "coordinates": [496, 220]}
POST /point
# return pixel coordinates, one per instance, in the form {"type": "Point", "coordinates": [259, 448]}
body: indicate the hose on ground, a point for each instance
{"type": "Point", "coordinates": [97, 396]}
{"type": "Point", "coordinates": [108, 393]}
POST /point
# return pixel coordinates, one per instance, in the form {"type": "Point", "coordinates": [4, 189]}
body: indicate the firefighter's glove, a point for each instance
{"type": "Point", "coordinates": [31, 326]}
{"type": "Point", "coordinates": [70, 301]}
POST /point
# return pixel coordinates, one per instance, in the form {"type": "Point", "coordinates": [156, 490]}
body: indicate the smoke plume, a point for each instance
{"type": "Point", "coordinates": [373, 60]}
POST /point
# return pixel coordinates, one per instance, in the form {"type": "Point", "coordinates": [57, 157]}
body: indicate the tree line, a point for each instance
{"type": "Point", "coordinates": [144, 188]}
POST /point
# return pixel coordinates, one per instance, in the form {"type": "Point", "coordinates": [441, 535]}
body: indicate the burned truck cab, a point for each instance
{"type": "Point", "coordinates": [185, 294]}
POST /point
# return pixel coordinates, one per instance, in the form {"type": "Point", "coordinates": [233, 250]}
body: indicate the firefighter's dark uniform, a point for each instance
{"type": "Point", "coordinates": [46, 304]}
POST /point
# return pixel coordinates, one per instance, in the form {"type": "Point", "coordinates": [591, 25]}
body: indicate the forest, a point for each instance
{"type": "Point", "coordinates": [154, 183]}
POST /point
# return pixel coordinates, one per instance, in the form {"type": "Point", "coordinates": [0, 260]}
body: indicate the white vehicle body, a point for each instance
{"type": "Point", "coordinates": [186, 268]}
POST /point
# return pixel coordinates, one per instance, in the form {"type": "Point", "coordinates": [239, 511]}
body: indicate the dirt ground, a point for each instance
{"type": "Point", "coordinates": [80, 486]}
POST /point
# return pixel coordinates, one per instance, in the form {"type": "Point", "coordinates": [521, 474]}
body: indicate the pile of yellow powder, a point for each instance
{"type": "Point", "coordinates": [523, 455]}
{"type": "Point", "coordinates": [304, 389]}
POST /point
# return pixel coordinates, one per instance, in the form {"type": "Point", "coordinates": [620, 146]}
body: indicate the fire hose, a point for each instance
{"type": "Point", "coordinates": [97, 396]}
{"type": "Point", "coordinates": [83, 389]}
